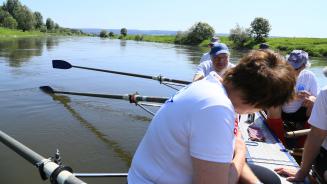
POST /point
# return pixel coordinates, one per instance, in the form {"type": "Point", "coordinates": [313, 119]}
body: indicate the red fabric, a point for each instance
{"type": "Point", "coordinates": [277, 127]}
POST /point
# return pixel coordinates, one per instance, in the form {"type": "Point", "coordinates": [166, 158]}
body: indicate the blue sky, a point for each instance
{"type": "Point", "coordinates": [299, 18]}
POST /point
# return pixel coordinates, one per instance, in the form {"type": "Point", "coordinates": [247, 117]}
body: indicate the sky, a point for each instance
{"type": "Point", "coordinates": [290, 18]}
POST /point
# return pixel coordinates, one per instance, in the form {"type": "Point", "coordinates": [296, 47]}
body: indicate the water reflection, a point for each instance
{"type": "Point", "coordinates": [21, 50]}
{"type": "Point", "coordinates": [122, 154]}
{"type": "Point", "coordinates": [122, 44]}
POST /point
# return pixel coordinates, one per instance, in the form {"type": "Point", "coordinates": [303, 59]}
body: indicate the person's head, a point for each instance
{"type": "Point", "coordinates": [263, 46]}
{"type": "Point", "coordinates": [261, 80]}
{"type": "Point", "coordinates": [299, 59]}
{"type": "Point", "coordinates": [214, 40]}
{"type": "Point", "coordinates": [219, 54]}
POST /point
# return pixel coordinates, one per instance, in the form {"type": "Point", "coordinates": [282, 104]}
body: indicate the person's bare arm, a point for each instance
{"type": "Point", "coordinates": [247, 176]}
{"type": "Point", "coordinates": [311, 150]}
{"type": "Point", "coordinates": [197, 77]}
{"type": "Point", "coordinates": [226, 173]}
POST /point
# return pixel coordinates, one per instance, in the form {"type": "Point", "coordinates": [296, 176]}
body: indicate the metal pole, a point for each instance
{"type": "Point", "coordinates": [46, 166]}
{"type": "Point", "coordinates": [101, 174]}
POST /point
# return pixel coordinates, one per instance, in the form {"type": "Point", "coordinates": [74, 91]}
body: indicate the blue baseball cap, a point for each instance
{"type": "Point", "coordinates": [218, 48]}
{"type": "Point", "coordinates": [298, 58]}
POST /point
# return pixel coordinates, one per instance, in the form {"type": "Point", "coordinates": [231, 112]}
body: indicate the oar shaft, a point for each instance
{"type": "Point", "coordinates": [123, 97]}
{"type": "Point", "coordinates": [48, 167]}
{"type": "Point", "coordinates": [131, 98]}
{"type": "Point", "coordinates": [158, 78]}
{"type": "Point", "coordinates": [116, 72]}
{"type": "Point", "coordinates": [101, 174]}
{"type": "Point", "coordinates": [297, 133]}
{"type": "Point", "coordinates": [151, 99]}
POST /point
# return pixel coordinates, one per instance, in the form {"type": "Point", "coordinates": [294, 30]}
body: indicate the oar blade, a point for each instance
{"type": "Point", "coordinates": [47, 89]}
{"type": "Point", "coordinates": [61, 64]}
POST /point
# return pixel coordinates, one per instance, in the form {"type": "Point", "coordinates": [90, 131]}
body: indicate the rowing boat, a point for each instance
{"type": "Point", "coordinates": [269, 154]}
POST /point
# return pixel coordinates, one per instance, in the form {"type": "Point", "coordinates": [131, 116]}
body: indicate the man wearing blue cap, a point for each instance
{"type": "Point", "coordinates": [206, 56]}
{"type": "Point", "coordinates": [219, 62]}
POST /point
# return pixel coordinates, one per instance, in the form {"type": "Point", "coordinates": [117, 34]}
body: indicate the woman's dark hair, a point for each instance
{"type": "Point", "coordinates": [264, 78]}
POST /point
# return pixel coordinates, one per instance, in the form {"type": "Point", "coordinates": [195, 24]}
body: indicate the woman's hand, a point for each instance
{"type": "Point", "coordinates": [292, 174]}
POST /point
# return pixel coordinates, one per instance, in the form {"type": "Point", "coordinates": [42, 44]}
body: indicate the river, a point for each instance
{"type": "Point", "coordinates": [92, 134]}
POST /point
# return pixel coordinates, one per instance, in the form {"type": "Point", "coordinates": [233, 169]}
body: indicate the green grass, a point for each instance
{"type": "Point", "coordinates": [12, 33]}
{"type": "Point", "coordinates": [314, 46]}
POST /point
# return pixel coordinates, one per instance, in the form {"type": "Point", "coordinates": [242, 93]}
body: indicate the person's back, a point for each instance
{"type": "Point", "coordinates": [172, 137]}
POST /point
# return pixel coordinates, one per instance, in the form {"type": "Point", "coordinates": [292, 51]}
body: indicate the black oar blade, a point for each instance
{"type": "Point", "coordinates": [61, 64]}
{"type": "Point", "coordinates": [47, 89]}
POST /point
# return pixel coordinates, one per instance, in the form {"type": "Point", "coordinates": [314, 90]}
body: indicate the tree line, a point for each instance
{"type": "Point", "coordinates": [240, 37]}
{"type": "Point", "coordinates": [14, 15]}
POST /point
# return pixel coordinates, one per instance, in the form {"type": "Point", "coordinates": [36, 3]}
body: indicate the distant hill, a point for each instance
{"type": "Point", "coordinates": [136, 31]}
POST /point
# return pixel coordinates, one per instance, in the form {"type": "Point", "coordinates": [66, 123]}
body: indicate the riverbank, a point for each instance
{"type": "Point", "coordinates": [11, 33]}
{"type": "Point", "coordinates": [6, 34]}
{"type": "Point", "coordinates": [316, 47]}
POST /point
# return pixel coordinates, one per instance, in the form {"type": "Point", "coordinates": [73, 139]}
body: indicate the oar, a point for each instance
{"type": "Point", "coordinates": [132, 98]}
{"type": "Point", "coordinates": [48, 168]}
{"type": "Point", "coordinates": [61, 64]}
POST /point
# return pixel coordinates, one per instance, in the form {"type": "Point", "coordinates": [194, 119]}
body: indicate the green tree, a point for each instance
{"type": "Point", "coordinates": [3, 15]}
{"type": "Point", "coordinates": [11, 6]}
{"type": "Point", "coordinates": [24, 18]}
{"type": "Point", "coordinates": [180, 37]}
{"type": "Point", "coordinates": [198, 32]}
{"type": "Point", "coordinates": [56, 26]}
{"type": "Point", "coordinates": [111, 34]}
{"type": "Point", "coordinates": [9, 22]}
{"type": "Point", "coordinates": [260, 29]}
{"type": "Point", "coordinates": [123, 32]}
{"type": "Point", "coordinates": [104, 34]}
{"type": "Point", "coordinates": [38, 20]}
{"type": "Point", "coordinates": [50, 24]}
{"type": "Point", "coordinates": [239, 36]}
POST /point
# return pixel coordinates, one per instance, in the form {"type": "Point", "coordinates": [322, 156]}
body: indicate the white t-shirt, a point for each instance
{"type": "Point", "coordinates": [206, 67]}
{"type": "Point", "coordinates": [305, 81]}
{"type": "Point", "coordinates": [318, 116]}
{"type": "Point", "coordinates": [197, 122]}
{"type": "Point", "coordinates": [205, 57]}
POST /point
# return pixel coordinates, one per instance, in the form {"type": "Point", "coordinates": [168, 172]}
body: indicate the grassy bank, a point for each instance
{"type": "Point", "coordinates": [314, 46]}
{"type": "Point", "coordinates": [10, 33]}
{"type": "Point", "coordinates": [14, 33]}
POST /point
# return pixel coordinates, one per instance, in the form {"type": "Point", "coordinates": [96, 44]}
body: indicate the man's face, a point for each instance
{"type": "Point", "coordinates": [220, 62]}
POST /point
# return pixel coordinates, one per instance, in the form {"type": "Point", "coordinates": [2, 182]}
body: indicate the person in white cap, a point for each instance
{"type": "Point", "coordinates": [219, 62]}
{"type": "Point", "coordinates": [315, 148]}
{"type": "Point", "coordinates": [295, 113]}
{"type": "Point", "coordinates": [206, 56]}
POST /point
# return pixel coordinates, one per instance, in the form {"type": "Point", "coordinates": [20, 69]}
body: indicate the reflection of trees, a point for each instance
{"type": "Point", "coordinates": [124, 155]}
{"type": "Point", "coordinates": [193, 53]}
{"type": "Point", "coordinates": [51, 42]}
{"type": "Point", "coordinates": [17, 51]}
{"type": "Point", "coordinates": [122, 43]}
{"type": "Point", "coordinates": [20, 50]}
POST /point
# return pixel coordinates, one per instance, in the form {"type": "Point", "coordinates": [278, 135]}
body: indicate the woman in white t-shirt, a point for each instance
{"type": "Point", "coordinates": [296, 113]}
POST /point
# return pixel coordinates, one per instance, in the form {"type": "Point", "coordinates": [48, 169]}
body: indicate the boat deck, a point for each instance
{"type": "Point", "coordinates": [271, 153]}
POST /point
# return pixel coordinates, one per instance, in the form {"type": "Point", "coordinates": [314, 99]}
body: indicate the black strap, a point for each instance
{"type": "Point", "coordinates": [41, 171]}
{"type": "Point", "coordinates": [57, 171]}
